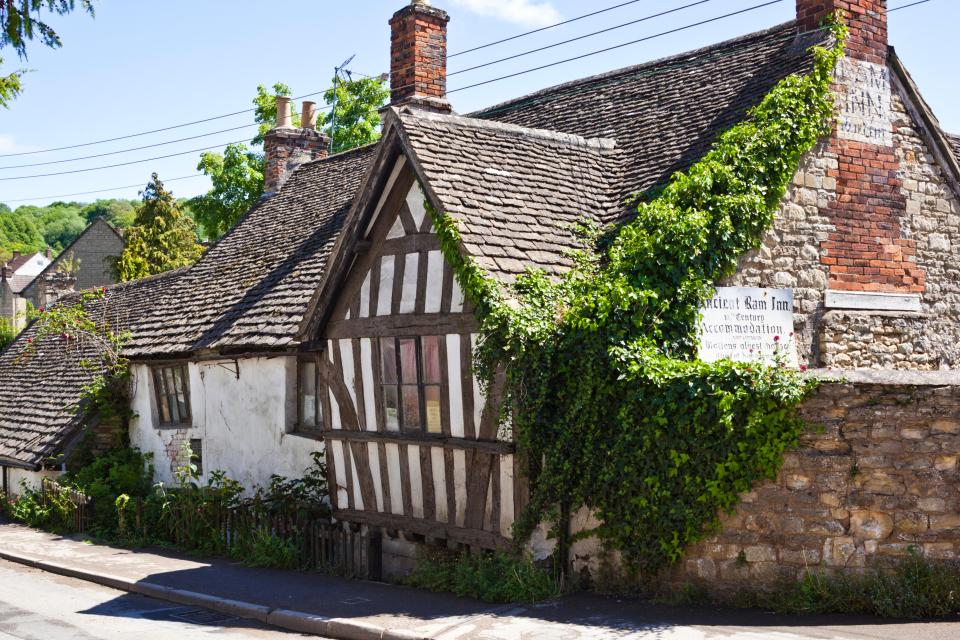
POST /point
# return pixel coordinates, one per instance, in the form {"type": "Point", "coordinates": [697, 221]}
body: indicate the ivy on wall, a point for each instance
{"type": "Point", "coordinates": [610, 408]}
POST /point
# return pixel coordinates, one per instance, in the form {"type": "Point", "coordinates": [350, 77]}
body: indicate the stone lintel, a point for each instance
{"type": "Point", "coordinates": [872, 301]}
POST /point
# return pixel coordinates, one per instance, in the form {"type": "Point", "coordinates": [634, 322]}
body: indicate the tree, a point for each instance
{"type": "Point", "coordinates": [237, 174]}
{"type": "Point", "coordinates": [355, 120]}
{"type": "Point", "coordinates": [20, 22]}
{"type": "Point", "coordinates": [119, 213]}
{"type": "Point", "coordinates": [237, 178]}
{"type": "Point", "coordinates": [163, 237]}
{"type": "Point", "coordinates": [19, 233]}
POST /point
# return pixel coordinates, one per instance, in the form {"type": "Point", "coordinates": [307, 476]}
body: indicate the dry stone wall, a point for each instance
{"type": "Point", "coordinates": [880, 477]}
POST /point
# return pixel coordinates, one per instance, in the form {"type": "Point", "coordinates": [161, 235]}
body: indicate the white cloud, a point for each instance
{"type": "Point", "coordinates": [525, 12]}
{"type": "Point", "coordinates": [9, 145]}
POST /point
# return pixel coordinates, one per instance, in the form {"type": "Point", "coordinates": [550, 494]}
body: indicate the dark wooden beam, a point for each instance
{"type": "Point", "coordinates": [489, 446]}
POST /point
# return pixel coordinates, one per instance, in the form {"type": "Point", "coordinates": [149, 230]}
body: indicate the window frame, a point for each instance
{"type": "Point", "coordinates": [421, 385]}
{"type": "Point", "coordinates": [321, 408]}
{"type": "Point", "coordinates": [162, 392]}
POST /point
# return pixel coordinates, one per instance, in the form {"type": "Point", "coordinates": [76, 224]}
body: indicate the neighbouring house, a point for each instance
{"type": "Point", "coordinates": [41, 280]}
{"type": "Point", "coordinates": [85, 263]}
{"type": "Point", "coordinates": [30, 264]}
{"type": "Point", "coordinates": [347, 332]}
{"type": "Point", "coordinates": [15, 276]}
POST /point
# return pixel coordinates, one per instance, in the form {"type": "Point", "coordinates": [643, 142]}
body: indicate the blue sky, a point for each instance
{"type": "Point", "coordinates": [147, 64]}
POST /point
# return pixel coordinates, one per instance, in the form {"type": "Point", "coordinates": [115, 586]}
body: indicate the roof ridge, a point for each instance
{"type": "Point", "coordinates": [571, 139]}
{"type": "Point", "coordinates": [693, 53]}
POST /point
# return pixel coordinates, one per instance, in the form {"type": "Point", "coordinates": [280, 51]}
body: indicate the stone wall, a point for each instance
{"type": "Point", "coordinates": [880, 477]}
{"type": "Point", "coordinates": [801, 252]}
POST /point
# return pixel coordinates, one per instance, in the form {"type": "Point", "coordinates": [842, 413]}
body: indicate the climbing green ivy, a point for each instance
{"type": "Point", "coordinates": [609, 406]}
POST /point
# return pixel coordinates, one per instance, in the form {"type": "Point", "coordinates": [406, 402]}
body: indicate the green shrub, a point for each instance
{"type": "Point", "coordinates": [491, 577]}
{"type": "Point", "coordinates": [119, 472]}
{"type": "Point", "coordinates": [53, 512]}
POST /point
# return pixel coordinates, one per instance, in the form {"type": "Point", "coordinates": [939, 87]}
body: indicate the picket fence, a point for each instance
{"type": "Point", "coordinates": [78, 506]}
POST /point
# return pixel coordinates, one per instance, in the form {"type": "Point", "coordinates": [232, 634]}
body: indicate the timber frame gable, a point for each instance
{"type": "Point", "coordinates": [412, 443]}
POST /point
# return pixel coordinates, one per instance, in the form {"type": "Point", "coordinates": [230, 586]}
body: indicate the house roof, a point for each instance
{"type": "Point", "coordinates": [251, 289]}
{"type": "Point", "coordinates": [516, 192]}
{"type": "Point", "coordinates": [39, 393]}
{"type": "Point", "coordinates": [18, 261]}
{"type": "Point", "coordinates": [665, 114]}
{"type": "Point", "coordinates": [954, 144]}
{"type": "Point", "coordinates": [19, 283]}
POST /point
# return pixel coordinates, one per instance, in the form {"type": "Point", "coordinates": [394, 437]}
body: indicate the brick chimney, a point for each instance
{"type": "Point", "coordinates": [867, 250]}
{"type": "Point", "coordinates": [285, 148]}
{"type": "Point", "coordinates": [418, 57]}
{"type": "Point", "coordinates": [867, 20]}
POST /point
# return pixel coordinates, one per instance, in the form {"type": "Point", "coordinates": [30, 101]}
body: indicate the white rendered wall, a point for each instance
{"type": "Point", "coordinates": [32, 478]}
{"type": "Point", "coordinates": [242, 410]}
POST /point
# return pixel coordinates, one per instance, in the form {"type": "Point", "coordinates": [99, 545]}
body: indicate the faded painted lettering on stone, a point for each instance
{"type": "Point", "coordinates": [864, 102]}
{"type": "Point", "coordinates": [748, 324]}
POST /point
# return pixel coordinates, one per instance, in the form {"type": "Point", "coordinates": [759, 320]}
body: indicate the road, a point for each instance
{"type": "Point", "coordinates": [35, 605]}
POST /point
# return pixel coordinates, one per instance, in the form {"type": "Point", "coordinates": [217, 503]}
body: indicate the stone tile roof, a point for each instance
{"type": "Point", "coordinates": [39, 393]}
{"type": "Point", "coordinates": [251, 289]}
{"type": "Point", "coordinates": [19, 283]}
{"type": "Point", "coordinates": [516, 192]}
{"type": "Point", "coordinates": [664, 114]}
{"type": "Point", "coordinates": [954, 144]}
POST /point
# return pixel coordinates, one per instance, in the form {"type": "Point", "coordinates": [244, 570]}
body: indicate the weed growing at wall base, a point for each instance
{"type": "Point", "coordinates": [610, 408]}
{"type": "Point", "coordinates": [496, 577]}
{"type": "Point", "coordinates": [913, 587]}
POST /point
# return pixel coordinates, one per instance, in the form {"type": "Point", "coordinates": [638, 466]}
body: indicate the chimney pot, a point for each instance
{"type": "Point", "coordinates": [284, 118]}
{"type": "Point", "coordinates": [308, 115]}
{"type": "Point", "coordinates": [286, 148]}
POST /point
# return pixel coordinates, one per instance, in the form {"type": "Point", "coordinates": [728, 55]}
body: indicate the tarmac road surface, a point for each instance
{"type": "Point", "coordinates": [35, 605]}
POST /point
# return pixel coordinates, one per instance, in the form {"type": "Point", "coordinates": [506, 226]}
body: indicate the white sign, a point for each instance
{"type": "Point", "coordinates": [745, 324]}
{"type": "Point", "coordinates": [864, 98]}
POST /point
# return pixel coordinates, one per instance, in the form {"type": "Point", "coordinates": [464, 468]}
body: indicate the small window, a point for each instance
{"type": "Point", "coordinates": [410, 380]}
{"type": "Point", "coordinates": [309, 404]}
{"type": "Point", "coordinates": [196, 454]}
{"type": "Point", "coordinates": [172, 391]}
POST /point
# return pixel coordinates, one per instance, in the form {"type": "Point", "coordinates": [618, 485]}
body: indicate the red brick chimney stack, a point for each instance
{"type": "Point", "coordinates": [867, 250]}
{"type": "Point", "coordinates": [418, 57]}
{"type": "Point", "coordinates": [285, 148]}
{"type": "Point", "coordinates": [867, 20]}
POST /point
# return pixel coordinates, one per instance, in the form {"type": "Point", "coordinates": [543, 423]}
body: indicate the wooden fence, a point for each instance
{"type": "Point", "coordinates": [77, 506]}
{"type": "Point", "coordinates": [320, 544]}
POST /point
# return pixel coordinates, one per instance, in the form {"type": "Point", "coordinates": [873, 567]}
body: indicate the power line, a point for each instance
{"type": "Point", "coordinates": [85, 193]}
{"type": "Point", "coordinates": [588, 35]}
{"type": "Point", "coordinates": [907, 6]}
{"type": "Point", "coordinates": [120, 164]}
{"type": "Point", "coordinates": [144, 133]}
{"type": "Point", "coordinates": [618, 46]}
{"type": "Point", "coordinates": [549, 26]}
{"type": "Point", "coordinates": [113, 153]}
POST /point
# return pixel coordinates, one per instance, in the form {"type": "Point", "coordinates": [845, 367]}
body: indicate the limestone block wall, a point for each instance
{"type": "Point", "coordinates": [880, 477]}
{"type": "Point", "coordinates": [801, 252]}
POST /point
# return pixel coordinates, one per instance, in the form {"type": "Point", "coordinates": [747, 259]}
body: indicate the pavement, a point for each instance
{"type": "Point", "coordinates": [362, 610]}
